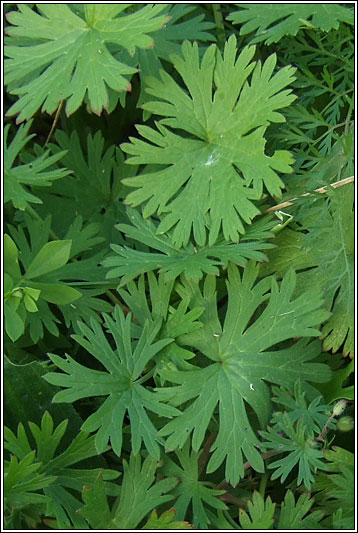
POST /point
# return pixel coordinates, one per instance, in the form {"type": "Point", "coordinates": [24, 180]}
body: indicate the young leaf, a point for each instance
{"type": "Point", "coordinates": [19, 179]}
{"type": "Point", "coordinates": [120, 382]}
{"type": "Point", "coordinates": [166, 521]}
{"type": "Point", "coordinates": [210, 172]}
{"type": "Point", "coordinates": [261, 513]}
{"type": "Point", "coordinates": [293, 514]}
{"type": "Point", "coordinates": [243, 359]}
{"type": "Point", "coordinates": [66, 57]}
{"type": "Point", "coordinates": [21, 482]}
{"type": "Point", "coordinates": [298, 441]}
{"type": "Point", "coordinates": [273, 21]}
{"type": "Point", "coordinates": [61, 503]}
{"type": "Point", "coordinates": [191, 491]}
{"type": "Point", "coordinates": [139, 495]}
{"type": "Point", "coordinates": [335, 492]}
{"type": "Point", "coordinates": [314, 415]}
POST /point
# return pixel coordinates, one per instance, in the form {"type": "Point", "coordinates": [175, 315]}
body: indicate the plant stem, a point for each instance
{"type": "Point", "coordinates": [59, 109]}
{"type": "Point", "coordinates": [263, 484]}
{"type": "Point", "coordinates": [220, 29]}
{"type": "Point", "coordinates": [206, 452]}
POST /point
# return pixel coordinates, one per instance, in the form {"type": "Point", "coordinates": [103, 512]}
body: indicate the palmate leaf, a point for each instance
{"type": "Point", "coordinates": [302, 450]}
{"type": "Point", "coordinates": [140, 493]}
{"type": "Point", "coordinates": [61, 502]}
{"type": "Point", "coordinates": [243, 359]}
{"type": "Point", "coordinates": [19, 179]}
{"type": "Point", "coordinates": [217, 170]}
{"type": "Point", "coordinates": [66, 57]}
{"type": "Point", "coordinates": [177, 320]}
{"type": "Point", "coordinates": [190, 490]}
{"type": "Point", "coordinates": [95, 189]}
{"type": "Point", "coordinates": [120, 383]}
{"type": "Point", "coordinates": [261, 513]}
{"type": "Point", "coordinates": [273, 21]}
{"type": "Point", "coordinates": [172, 261]}
{"type": "Point", "coordinates": [168, 40]}
{"type": "Point", "coordinates": [293, 515]}
{"type": "Point", "coordinates": [328, 246]}
{"type": "Point", "coordinates": [314, 414]}
{"type": "Point", "coordinates": [166, 521]}
{"type": "Point", "coordinates": [335, 492]}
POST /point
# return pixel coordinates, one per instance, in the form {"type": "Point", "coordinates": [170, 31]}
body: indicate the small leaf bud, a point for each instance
{"type": "Point", "coordinates": [346, 423]}
{"type": "Point", "coordinates": [339, 407]}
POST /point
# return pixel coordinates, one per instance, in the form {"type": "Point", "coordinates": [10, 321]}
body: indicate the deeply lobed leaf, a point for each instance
{"type": "Point", "coordinates": [212, 174]}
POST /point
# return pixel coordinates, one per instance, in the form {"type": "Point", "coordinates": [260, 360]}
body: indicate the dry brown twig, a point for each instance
{"type": "Point", "coordinates": [321, 190]}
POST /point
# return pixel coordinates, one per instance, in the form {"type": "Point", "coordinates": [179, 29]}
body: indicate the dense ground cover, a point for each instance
{"type": "Point", "coordinates": [179, 276]}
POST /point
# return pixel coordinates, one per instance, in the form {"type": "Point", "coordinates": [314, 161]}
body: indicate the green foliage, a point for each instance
{"type": "Point", "coordinates": [289, 19]}
{"type": "Point", "coordinates": [191, 490]}
{"type": "Point", "coordinates": [66, 56]}
{"type": "Point", "coordinates": [166, 521]}
{"type": "Point", "coordinates": [122, 382]}
{"type": "Point", "coordinates": [20, 179]}
{"type": "Point", "coordinates": [241, 363]}
{"type": "Point", "coordinates": [173, 261]}
{"type": "Point", "coordinates": [179, 266]}
{"type": "Point", "coordinates": [261, 513]}
{"type": "Point", "coordinates": [53, 476]}
{"type": "Point", "coordinates": [298, 441]}
{"type": "Point", "coordinates": [335, 492]}
{"type": "Point", "coordinates": [222, 134]}
{"type": "Point", "coordinates": [293, 515]}
{"type": "Point", "coordinates": [139, 495]}
{"type": "Point", "coordinates": [331, 268]}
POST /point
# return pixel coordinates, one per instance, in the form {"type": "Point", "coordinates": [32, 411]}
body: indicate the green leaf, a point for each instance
{"type": "Point", "coordinates": [19, 179]}
{"type": "Point", "coordinates": [261, 513]}
{"type": "Point", "coordinates": [210, 173]}
{"type": "Point", "coordinates": [96, 509]}
{"type": "Point", "coordinates": [179, 28]}
{"type": "Point", "coordinates": [53, 255]}
{"type": "Point", "coordinates": [165, 521]}
{"type": "Point", "coordinates": [59, 294]}
{"type": "Point", "coordinates": [27, 396]}
{"type": "Point", "coordinates": [243, 359]}
{"type": "Point", "coordinates": [139, 492]}
{"type": "Point", "coordinates": [302, 450]}
{"type": "Point", "coordinates": [191, 492]}
{"type": "Point", "coordinates": [94, 189]}
{"type": "Point", "coordinates": [334, 390]}
{"type": "Point", "coordinates": [191, 261]}
{"type": "Point", "coordinates": [273, 21]}
{"type": "Point", "coordinates": [120, 382]}
{"type": "Point", "coordinates": [14, 324]}
{"type": "Point", "coordinates": [66, 57]}
{"type": "Point", "coordinates": [335, 492]}
{"type": "Point", "coordinates": [328, 246]}
{"type": "Point", "coordinates": [139, 495]}
{"type": "Point", "coordinates": [293, 514]}
{"type": "Point", "coordinates": [314, 415]}
{"type": "Point", "coordinates": [60, 502]}
{"type": "Point", "coordinates": [11, 263]}
{"type": "Point", "coordinates": [21, 482]}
